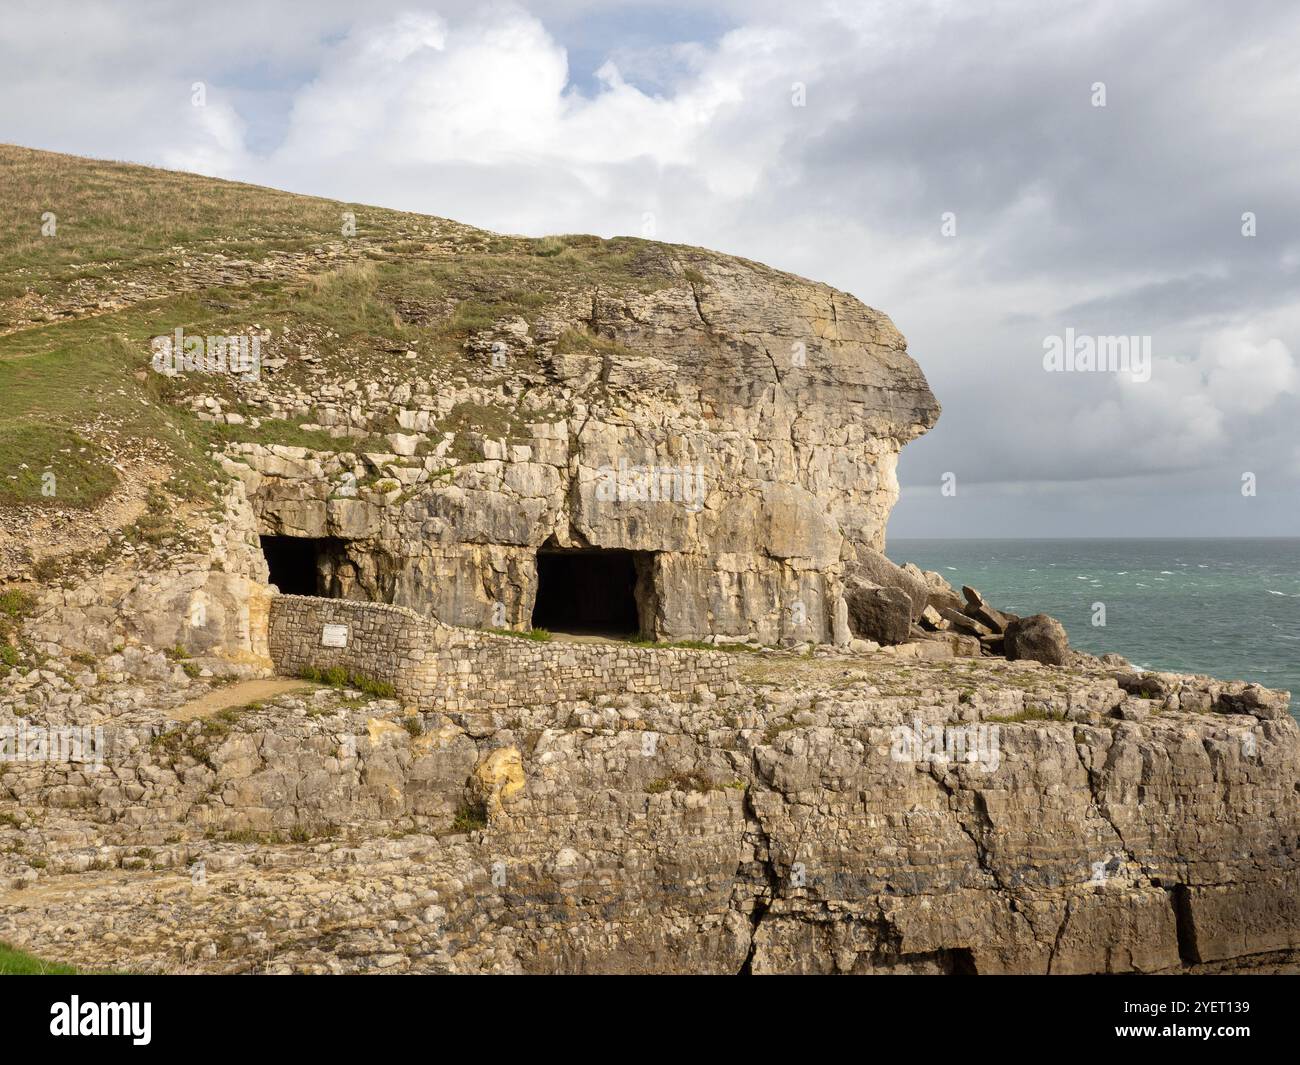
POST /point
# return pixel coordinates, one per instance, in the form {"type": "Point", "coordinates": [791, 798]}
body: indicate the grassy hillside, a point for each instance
{"type": "Point", "coordinates": [136, 252]}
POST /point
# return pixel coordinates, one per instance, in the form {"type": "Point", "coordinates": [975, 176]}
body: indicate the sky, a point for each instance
{"type": "Point", "coordinates": [992, 175]}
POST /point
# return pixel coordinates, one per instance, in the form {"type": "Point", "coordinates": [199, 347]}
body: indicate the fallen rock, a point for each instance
{"type": "Point", "coordinates": [964, 623]}
{"type": "Point", "coordinates": [978, 608]}
{"type": "Point", "coordinates": [962, 645]}
{"type": "Point", "coordinates": [994, 619]}
{"type": "Point", "coordinates": [880, 614]}
{"type": "Point", "coordinates": [933, 620]}
{"type": "Point", "coordinates": [875, 568]}
{"type": "Point", "coordinates": [938, 591]}
{"type": "Point", "coordinates": [1039, 638]}
{"type": "Point", "coordinates": [920, 651]}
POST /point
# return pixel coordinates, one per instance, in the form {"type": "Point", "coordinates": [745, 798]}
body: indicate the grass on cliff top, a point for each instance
{"type": "Point", "coordinates": [74, 391]}
{"type": "Point", "coordinates": [52, 464]}
{"type": "Point", "coordinates": [114, 216]}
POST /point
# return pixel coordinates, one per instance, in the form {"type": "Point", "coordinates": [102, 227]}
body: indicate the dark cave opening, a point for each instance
{"type": "Point", "coordinates": [302, 565]}
{"type": "Point", "coordinates": [592, 591]}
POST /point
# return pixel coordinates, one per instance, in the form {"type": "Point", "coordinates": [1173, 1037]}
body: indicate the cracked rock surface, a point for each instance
{"type": "Point", "coordinates": [824, 818]}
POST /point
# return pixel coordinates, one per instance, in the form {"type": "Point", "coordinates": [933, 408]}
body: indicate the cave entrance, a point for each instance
{"type": "Point", "coordinates": [593, 591]}
{"type": "Point", "coordinates": [303, 565]}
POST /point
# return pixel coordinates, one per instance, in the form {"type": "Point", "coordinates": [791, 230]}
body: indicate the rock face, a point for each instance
{"type": "Point", "coordinates": [736, 428]}
{"type": "Point", "coordinates": [717, 439]}
{"type": "Point", "coordinates": [836, 814]}
{"type": "Point", "coordinates": [1040, 638]}
{"type": "Point", "coordinates": [871, 565]}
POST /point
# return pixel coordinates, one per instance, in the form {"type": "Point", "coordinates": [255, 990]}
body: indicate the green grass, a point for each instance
{"type": "Point", "coordinates": [130, 217]}
{"type": "Point", "coordinates": [695, 645]}
{"type": "Point", "coordinates": [54, 380]}
{"type": "Point", "coordinates": [338, 677]}
{"type": "Point", "coordinates": [536, 635]}
{"type": "Point", "coordinates": [52, 466]}
{"type": "Point", "coordinates": [469, 818]}
{"type": "Point", "coordinates": [14, 962]}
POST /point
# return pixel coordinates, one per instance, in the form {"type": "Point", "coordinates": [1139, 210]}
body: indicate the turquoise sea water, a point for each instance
{"type": "Point", "coordinates": [1229, 608]}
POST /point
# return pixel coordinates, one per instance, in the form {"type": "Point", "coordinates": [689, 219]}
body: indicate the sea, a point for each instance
{"type": "Point", "coordinates": [1227, 608]}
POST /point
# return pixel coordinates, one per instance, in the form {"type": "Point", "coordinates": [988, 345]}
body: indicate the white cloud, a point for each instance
{"type": "Point", "coordinates": [1246, 376]}
{"type": "Point", "coordinates": [479, 114]}
{"type": "Point", "coordinates": [494, 91]}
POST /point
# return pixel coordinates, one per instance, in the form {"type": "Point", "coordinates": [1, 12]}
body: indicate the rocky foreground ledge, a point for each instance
{"type": "Point", "coordinates": [831, 812]}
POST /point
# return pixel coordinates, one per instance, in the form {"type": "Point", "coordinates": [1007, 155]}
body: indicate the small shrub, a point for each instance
{"type": "Point", "coordinates": [16, 604]}
{"type": "Point", "coordinates": [470, 817]}
{"type": "Point", "coordinates": [338, 677]}
{"type": "Point", "coordinates": [691, 780]}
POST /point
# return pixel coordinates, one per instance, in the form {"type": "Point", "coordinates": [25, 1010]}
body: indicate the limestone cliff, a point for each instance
{"type": "Point", "coordinates": [738, 426]}
{"type": "Point", "coordinates": [439, 414]}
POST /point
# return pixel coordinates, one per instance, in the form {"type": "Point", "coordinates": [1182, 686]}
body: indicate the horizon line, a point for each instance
{"type": "Point", "coordinates": [1076, 539]}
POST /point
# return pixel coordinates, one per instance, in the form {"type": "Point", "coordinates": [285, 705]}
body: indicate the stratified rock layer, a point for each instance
{"type": "Point", "coordinates": [738, 426]}
{"type": "Point", "coordinates": [837, 814]}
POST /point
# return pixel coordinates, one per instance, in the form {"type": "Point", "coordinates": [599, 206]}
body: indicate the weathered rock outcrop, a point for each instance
{"type": "Point", "coordinates": [837, 814]}
{"type": "Point", "coordinates": [738, 426]}
{"type": "Point", "coordinates": [436, 410]}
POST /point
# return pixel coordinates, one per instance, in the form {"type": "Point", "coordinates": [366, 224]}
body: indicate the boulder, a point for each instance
{"type": "Point", "coordinates": [1039, 637]}
{"type": "Point", "coordinates": [978, 608]}
{"type": "Point", "coordinates": [880, 614]}
{"type": "Point", "coordinates": [933, 620]}
{"type": "Point", "coordinates": [938, 591]}
{"type": "Point", "coordinates": [874, 568]}
{"type": "Point", "coordinates": [962, 646]}
{"type": "Point", "coordinates": [963, 623]}
{"type": "Point", "coordinates": [996, 620]}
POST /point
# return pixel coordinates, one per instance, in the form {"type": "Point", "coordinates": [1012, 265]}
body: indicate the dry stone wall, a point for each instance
{"type": "Point", "coordinates": [438, 667]}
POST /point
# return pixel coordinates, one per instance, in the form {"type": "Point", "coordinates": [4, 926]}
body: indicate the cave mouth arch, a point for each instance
{"type": "Point", "coordinates": [303, 565]}
{"type": "Point", "coordinates": [592, 591]}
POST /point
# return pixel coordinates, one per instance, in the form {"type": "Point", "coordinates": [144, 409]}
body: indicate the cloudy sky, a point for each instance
{"type": "Point", "coordinates": [832, 139]}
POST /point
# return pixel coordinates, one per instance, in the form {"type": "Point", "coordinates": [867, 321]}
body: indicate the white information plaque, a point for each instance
{"type": "Point", "coordinates": [334, 636]}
